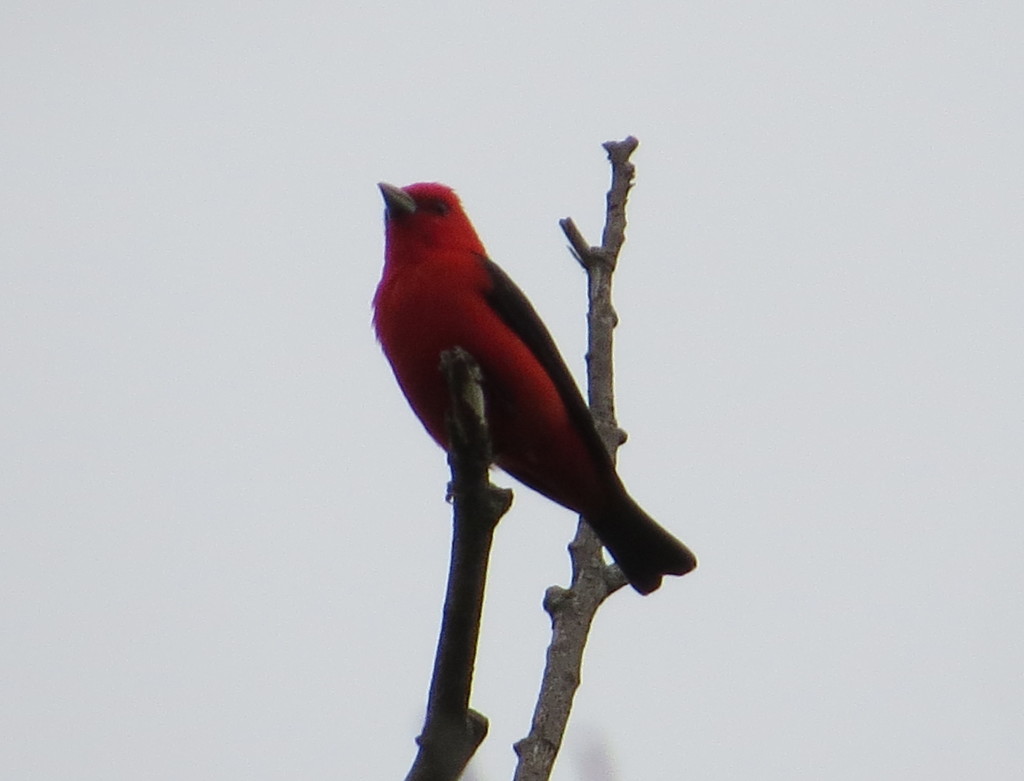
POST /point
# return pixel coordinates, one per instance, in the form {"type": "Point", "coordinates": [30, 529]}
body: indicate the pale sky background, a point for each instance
{"type": "Point", "coordinates": [223, 538]}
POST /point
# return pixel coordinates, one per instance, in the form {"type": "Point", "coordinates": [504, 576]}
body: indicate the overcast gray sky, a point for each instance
{"type": "Point", "coordinates": [223, 537]}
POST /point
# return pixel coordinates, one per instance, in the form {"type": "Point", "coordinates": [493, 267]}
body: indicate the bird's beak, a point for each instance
{"type": "Point", "coordinates": [397, 200]}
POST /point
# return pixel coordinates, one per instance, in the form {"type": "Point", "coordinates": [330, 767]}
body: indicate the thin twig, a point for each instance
{"type": "Point", "coordinates": [572, 610]}
{"type": "Point", "coordinates": [452, 731]}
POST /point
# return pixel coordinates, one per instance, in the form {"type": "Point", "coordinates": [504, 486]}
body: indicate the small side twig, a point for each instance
{"type": "Point", "coordinates": [572, 610]}
{"type": "Point", "coordinates": [452, 731]}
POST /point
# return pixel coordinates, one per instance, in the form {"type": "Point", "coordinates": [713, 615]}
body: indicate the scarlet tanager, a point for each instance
{"type": "Point", "coordinates": [439, 290]}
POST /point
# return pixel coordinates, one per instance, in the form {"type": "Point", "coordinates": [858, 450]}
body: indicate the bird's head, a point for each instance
{"type": "Point", "coordinates": [427, 215]}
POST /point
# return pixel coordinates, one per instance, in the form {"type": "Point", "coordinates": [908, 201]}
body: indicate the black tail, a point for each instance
{"type": "Point", "coordinates": [643, 549]}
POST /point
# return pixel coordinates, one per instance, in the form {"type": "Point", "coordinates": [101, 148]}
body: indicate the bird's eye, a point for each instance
{"type": "Point", "coordinates": [439, 208]}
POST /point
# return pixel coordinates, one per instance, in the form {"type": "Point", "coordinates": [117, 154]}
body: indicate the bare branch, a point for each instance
{"type": "Point", "coordinates": [614, 235]}
{"type": "Point", "coordinates": [572, 610]}
{"type": "Point", "coordinates": [452, 731]}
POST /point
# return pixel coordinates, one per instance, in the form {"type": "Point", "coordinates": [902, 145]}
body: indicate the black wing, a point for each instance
{"type": "Point", "coordinates": [516, 311]}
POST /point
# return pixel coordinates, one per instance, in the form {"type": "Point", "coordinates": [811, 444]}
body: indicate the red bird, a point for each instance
{"type": "Point", "coordinates": [439, 290]}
